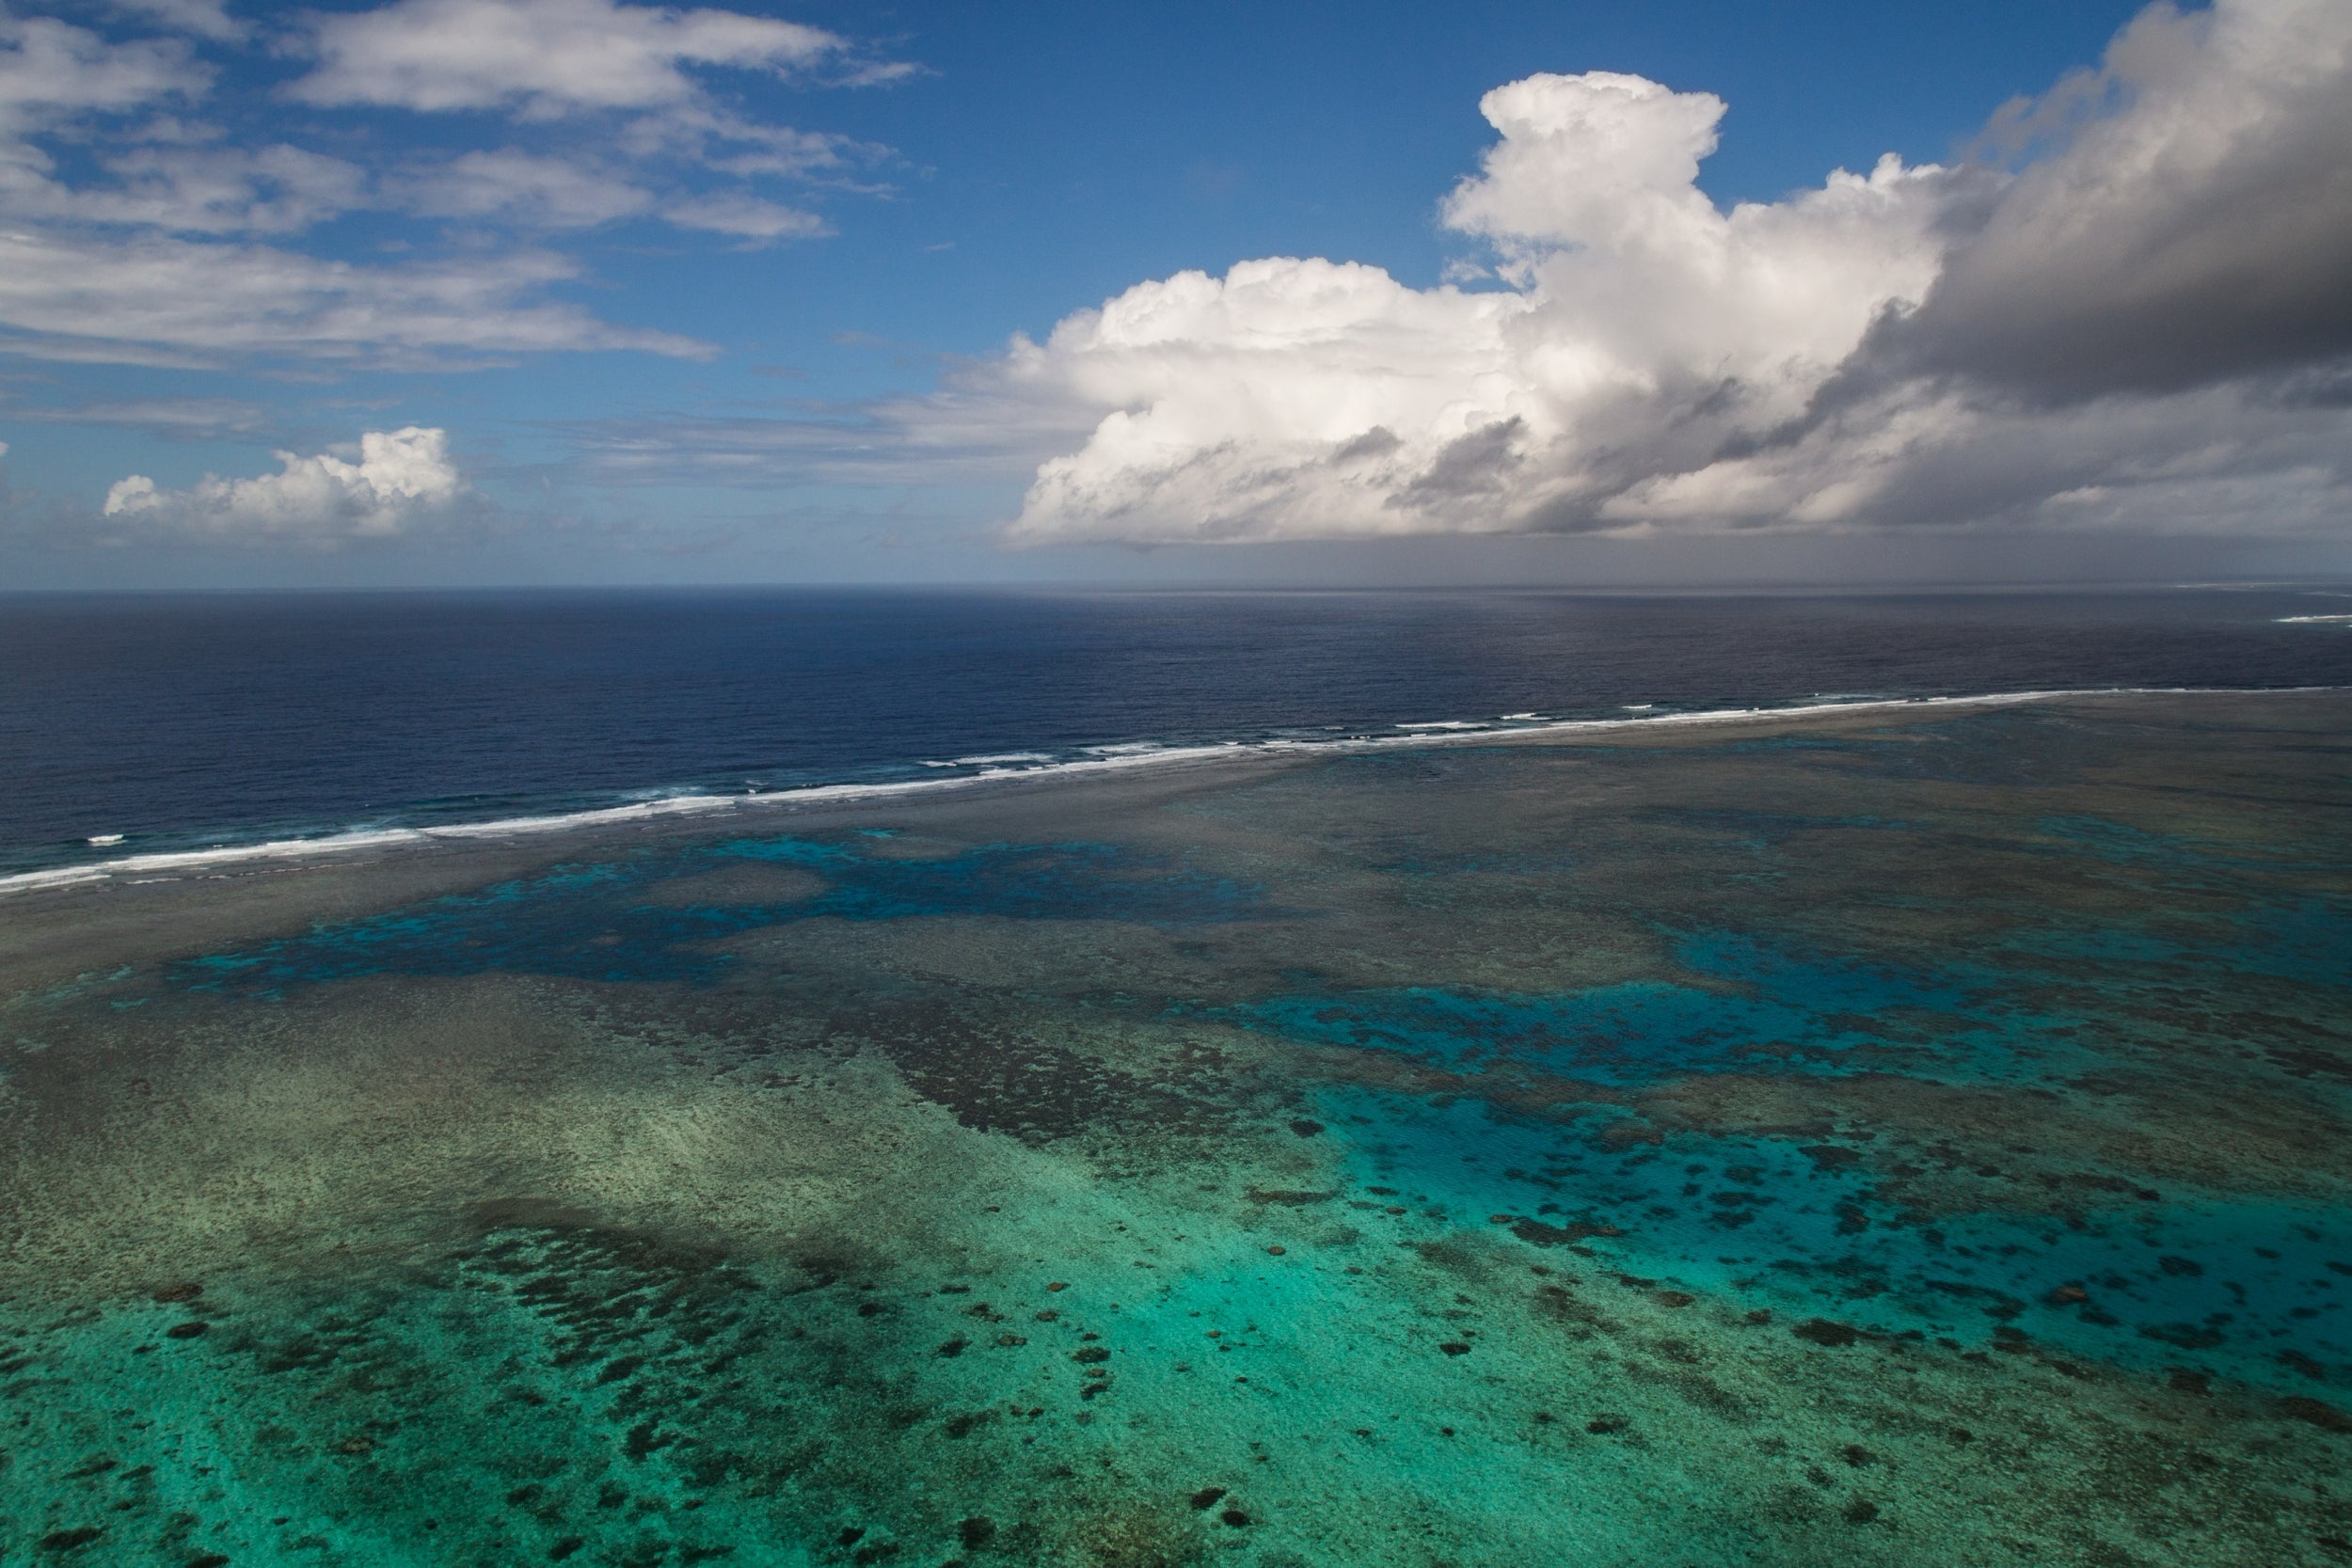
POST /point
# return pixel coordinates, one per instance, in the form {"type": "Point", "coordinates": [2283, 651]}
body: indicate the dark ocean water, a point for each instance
{"type": "Point", "coordinates": [1913, 1143]}
{"type": "Point", "coordinates": [183, 720]}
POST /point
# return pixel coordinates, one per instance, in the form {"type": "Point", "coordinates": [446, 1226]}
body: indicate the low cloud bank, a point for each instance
{"type": "Point", "coordinates": [403, 478]}
{"type": "Point", "coordinates": [2134, 312]}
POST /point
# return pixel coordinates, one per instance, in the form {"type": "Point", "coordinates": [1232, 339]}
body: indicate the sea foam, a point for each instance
{"type": "Point", "coordinates": [994, 767]}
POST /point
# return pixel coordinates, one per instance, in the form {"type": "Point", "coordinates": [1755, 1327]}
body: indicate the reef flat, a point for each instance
{"type": "Point", "coordinates": [1906, 1137]}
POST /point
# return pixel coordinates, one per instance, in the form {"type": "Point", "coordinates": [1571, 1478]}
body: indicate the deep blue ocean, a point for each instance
{"type": "Point", "coordinates": [178, 722]}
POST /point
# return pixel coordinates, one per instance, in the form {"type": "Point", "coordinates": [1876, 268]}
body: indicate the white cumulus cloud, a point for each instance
{"type": "Point", "coordinates": [402, 477]}
{"type": "Point", "coordinates": [2131, 322]}
{"type": "Point", "coordinates": [1304, 398]}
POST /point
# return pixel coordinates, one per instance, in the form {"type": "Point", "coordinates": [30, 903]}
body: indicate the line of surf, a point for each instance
{"type": "Point", "coordinates": [1100, 760]}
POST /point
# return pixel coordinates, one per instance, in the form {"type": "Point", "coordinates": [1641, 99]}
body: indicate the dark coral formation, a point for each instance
{"type": "Point", "coordinates": [1889, 1138]}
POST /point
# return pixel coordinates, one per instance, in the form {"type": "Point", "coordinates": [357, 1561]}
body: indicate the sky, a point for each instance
{"type": "Point", "coordinates": [519, 291]}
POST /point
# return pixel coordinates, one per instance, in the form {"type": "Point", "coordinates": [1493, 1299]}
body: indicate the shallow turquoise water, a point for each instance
{"type": "Point", "coordinates": [586, 921]}
{"type": "Point", "coordinates": [1911, 1143]}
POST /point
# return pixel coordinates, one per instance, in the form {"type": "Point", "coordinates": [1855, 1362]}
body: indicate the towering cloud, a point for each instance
{"type": "Point", "coordinates": [2132, 321]}
{"type": "Point", "coordinates": [2194, 223]}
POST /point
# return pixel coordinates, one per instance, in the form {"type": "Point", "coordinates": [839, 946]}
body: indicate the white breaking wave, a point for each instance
{"type": "Point", "coordinates": [1107, 759]}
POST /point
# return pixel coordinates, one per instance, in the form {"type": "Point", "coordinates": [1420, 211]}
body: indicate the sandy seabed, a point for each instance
{"type": "Point", "coordinates": [1891, 1137]}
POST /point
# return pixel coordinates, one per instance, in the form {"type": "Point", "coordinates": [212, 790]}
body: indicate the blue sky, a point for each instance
{"type": "Point", "coordinates": [481, 291]}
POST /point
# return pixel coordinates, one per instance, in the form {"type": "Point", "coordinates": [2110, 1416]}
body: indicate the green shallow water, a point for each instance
{"type": "Point", "coordinates": [1913, 1139]}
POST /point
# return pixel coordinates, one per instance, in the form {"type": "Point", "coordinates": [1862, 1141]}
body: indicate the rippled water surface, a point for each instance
{"type": "Point", "coordinates": [1896, 1138]}
{"type": "Point", "coordinates": [165, 722]}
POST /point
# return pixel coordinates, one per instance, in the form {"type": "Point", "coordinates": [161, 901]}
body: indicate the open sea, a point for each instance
{"type": "Point", "coordinates": [1374, 1081]}
{"type": "Point", "coordinates": [181, 722]}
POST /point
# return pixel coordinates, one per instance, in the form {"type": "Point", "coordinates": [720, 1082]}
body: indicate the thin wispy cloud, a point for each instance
{"type": "Point", "coordinates": [143, 228]}
{"type": "Point", "coordinates": [160, 301]}
{"type": "Point", "coordinates": [204, 18]}
{"type": "Point", "coordinates": [167, 419]}
{"type": "Point", "coordinates": [544, 59]}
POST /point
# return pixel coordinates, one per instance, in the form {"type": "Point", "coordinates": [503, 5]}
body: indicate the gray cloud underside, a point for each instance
{"type": "Point", "coordinates": [949, 438]}
{"type": "Point", "coordinates": [2199, 229]}
{"type": "Point", "coordinates": [2137, 317]}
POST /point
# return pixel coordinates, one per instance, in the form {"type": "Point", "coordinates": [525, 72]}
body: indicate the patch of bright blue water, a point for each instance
{"type": "Point", "coordinates": [1999, 747]}
{"type": "Point", "coordinates": [2255, 1289]}
{"type": "Point", "coordinates": [2128, 846]}
{"type": "Point", "coordinates": [2097, 1266]}
{"type": "Point", "coordinates": [1770, 829]}
{"type": "Point", "coordinates": [1622, 1034]}
{"type": "Point", "coordinates": [596, 922]}
{"type": "Point", "coordinates": [1748, 1005]}
{"type": "Point", "coordinates": [2304, 940]}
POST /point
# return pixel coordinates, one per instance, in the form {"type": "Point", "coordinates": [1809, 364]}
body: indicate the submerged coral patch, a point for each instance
{"type": "Point", "coordinates": [1911, 1138]}
{"type": "Point", "coordinates": [655, 919]}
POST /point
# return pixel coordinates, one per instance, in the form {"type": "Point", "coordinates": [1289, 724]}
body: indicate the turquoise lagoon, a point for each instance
{"type": "Point", "coordinates": [1898, 1137]}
